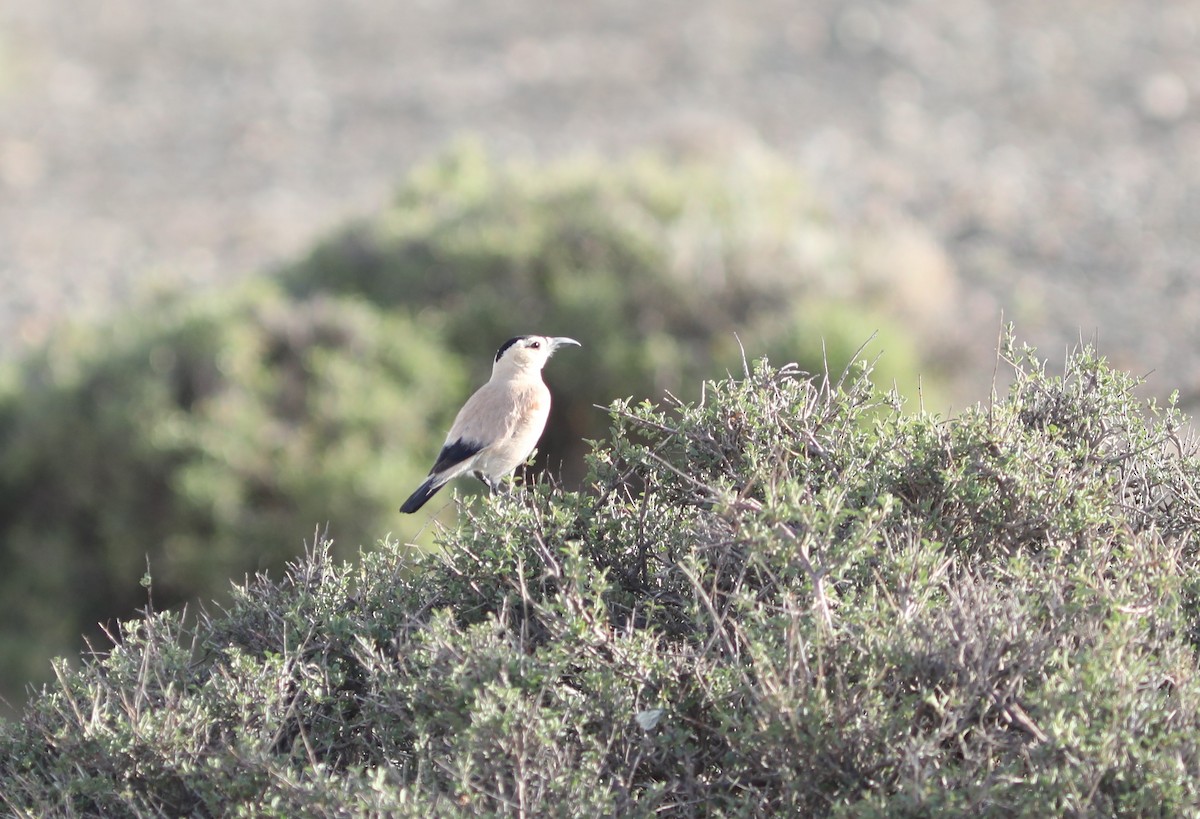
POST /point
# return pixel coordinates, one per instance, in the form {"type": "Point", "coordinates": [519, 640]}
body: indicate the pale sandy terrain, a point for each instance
{"type": "Point", "coordinates": [1053, 149]}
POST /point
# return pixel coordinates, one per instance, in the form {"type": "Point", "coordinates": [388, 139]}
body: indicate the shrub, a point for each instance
{"type": "Point", "coordinates": [656, 265]}
{"type": "Point", "coordinates": [788, 599]}
{"type": "Point", "coordinates": [204, 439]}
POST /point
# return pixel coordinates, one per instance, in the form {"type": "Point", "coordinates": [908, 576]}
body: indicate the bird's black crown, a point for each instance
{"type": "Point", "coordinates": [508, 344]}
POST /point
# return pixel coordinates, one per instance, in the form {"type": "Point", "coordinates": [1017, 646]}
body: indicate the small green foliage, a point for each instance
{"type": "Point", "coordinates": [788, 598]}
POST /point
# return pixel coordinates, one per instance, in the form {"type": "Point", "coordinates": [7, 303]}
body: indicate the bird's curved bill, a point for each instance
{"type": "Point", "coordinates": [561, 340]}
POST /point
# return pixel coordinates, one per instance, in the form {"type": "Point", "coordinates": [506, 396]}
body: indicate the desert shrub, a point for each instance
{"type": "Point", "coordinates": [788, 599]}
{"type": "Point", "coordinates": [657, 265]}
{"type": "Point", "coordinates": [204, 439]}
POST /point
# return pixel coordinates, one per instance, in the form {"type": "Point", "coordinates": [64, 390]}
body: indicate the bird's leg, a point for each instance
{"type": "Point", "coordinates": [486, 482]}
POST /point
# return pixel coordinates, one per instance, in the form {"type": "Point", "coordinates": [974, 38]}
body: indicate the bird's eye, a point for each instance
{"type": "Point", "coordinates": [535, 344]}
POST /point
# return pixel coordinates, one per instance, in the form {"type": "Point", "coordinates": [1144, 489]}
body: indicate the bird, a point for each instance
{"type": "Point", "coordinates": [499, 426]}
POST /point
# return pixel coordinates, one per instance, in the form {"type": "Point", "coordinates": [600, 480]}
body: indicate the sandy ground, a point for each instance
{"type": "Point", "coordinates": [1053, 149]}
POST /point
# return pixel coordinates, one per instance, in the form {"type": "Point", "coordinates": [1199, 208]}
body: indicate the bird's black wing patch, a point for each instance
{"type": "Point", "coordinates": [454, 453]}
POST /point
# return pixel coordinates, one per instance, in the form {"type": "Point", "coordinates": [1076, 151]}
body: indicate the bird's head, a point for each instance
{"type": "Point", "coordinates": [527, 354]}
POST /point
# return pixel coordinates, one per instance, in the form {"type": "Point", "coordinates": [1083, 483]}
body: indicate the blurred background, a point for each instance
{"type": "Point", "coordinates": [253, 253]}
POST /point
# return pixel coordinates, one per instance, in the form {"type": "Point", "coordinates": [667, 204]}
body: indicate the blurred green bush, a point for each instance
{"type": "Point", "coordinates": [657, 266]}
{"type": "Point", "coordinates": [206, 438]}
{"type": "Point", "coordinates": [210, 436]}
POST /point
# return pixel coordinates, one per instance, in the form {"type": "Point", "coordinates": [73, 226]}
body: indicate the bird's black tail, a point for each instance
{"type": "Point", "coordinates": [424, 492]}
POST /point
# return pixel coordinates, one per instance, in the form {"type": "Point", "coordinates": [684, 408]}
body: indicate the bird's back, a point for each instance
{"type": "Point", "coordinates": [507, 418]}
{"type": "Point", "coordinates": [501, 410]}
